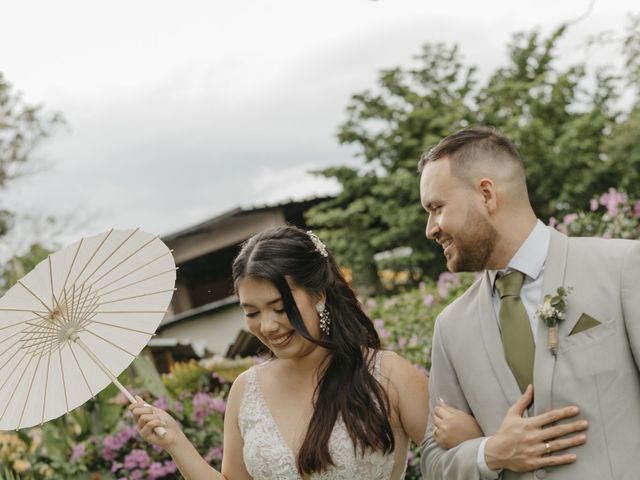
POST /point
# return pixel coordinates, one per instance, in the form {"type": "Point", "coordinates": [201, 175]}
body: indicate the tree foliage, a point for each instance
{"type": "Point", "coordinates": [23, 127]}
{"type": "Point", "coordinates": [566, 120]}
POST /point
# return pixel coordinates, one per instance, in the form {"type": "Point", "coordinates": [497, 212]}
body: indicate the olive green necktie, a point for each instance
{"type": "Point", "coordinates": [515, 328]}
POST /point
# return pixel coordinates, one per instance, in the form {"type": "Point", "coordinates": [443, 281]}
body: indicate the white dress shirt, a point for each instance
{"type": "Point", "coordinates": [529, 259]}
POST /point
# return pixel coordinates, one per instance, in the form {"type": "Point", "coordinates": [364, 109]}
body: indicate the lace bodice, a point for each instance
{"type": "Point", "coordinates": [267, 456]}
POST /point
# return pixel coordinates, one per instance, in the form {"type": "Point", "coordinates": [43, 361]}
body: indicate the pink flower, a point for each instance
{"type": "Point", "coordinates": [612, 199]}
{"type": "Point", "coordinates": [429, 300]}
{"type": "Point", "coordinates": [402, 342]}
{"type": "Point", "coordinates": [552, 222]}
{"type": "Point", "coordinates": [384, 334]}
{"type": "Point", "coordinates": [446, 281]}
{"type": "Point", "coordinates": [569, 218]}
{"type": "Point", "coordinates": [637, 209]}
{"type": "Point", "coordinates": [593, 205]}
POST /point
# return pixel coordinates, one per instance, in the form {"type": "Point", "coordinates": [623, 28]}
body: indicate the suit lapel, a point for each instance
{"type": "Point", "coordinates": [493, 342]}
{"type": "Point", "coordinates": [554, 272]}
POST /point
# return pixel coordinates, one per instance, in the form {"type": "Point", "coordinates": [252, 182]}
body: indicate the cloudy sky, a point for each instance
{"type": "Point", "coordinates": [178, 111]}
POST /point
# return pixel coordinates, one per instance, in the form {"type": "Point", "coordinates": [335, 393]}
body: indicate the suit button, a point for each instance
{"type": "Point", "coordinates": [542, 473]}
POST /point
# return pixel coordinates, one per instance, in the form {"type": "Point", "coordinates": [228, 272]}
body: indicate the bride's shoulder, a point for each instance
{"type": "Point", "coordinates": [400, 371]}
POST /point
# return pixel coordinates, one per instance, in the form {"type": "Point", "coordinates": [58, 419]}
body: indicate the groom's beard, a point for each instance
{"type": "Point", "coordinates": [475, 246]}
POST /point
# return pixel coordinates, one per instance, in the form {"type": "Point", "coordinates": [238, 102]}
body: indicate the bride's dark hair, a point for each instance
{"type": "Point", "coordinates": [346, 386]}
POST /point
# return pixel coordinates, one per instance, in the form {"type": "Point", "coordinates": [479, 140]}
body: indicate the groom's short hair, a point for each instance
{"type": "Point", "coordinates": [465, 147]}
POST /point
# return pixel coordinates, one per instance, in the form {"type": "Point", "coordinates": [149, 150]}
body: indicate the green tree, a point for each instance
{"type": "Point", "coordinates": [565, 122]}
{"type": "Point", "coordinates": [23, 127]}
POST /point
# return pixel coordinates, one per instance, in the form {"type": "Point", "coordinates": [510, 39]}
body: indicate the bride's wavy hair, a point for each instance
{"type": "Point", "coordinates": [346, 386]}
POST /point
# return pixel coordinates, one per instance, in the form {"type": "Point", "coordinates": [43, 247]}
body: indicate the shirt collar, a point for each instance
{"type": "Point", "coordinates": [530, 257]}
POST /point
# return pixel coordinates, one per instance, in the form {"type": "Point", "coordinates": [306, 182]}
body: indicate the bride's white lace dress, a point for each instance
{"type": "Point", "coordinates": [267, 456]}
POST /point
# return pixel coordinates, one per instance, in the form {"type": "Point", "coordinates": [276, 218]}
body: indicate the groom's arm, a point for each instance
{"type": "Point", "coordinates": [630, 297]}
{"type": "Point", "coordinates": [460, 462]}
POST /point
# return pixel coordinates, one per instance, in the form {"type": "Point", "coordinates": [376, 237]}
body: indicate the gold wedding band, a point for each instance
{"type": "Point", "coordinates": [547, 448]}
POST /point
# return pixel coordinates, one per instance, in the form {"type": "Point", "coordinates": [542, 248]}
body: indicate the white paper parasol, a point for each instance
{"type": "Point", "coordinates": [70, 326]}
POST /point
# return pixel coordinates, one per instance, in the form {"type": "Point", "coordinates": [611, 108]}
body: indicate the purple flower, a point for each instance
{"type": "Point", "coordinates": [637, 209]}
{"type": "Point", "coordinates": [178, 407]}
{"type": "Point", "coordinates": [137, 459]}
{"type": "Point", "coordinates": [214, 454]}
{"type": "Point", "coordinates": [161, 402]}
{"type": "Point", "coordinates": [77, 452]}
{"type": "Point", "coordinates": [136, 474]}
{"type": "Point", "coordinates": [204, 405]}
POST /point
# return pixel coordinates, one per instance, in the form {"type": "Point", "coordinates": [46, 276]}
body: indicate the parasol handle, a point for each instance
{"type": "Point", "coordinates": [160, 431]}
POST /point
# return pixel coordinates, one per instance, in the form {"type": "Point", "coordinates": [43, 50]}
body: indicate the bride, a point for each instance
{"type": "Point", "coordinates": [329, 403]}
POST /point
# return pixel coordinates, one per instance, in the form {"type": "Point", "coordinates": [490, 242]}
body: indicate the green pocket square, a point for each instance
{"type": "Point", "coordinates": [585, 322]}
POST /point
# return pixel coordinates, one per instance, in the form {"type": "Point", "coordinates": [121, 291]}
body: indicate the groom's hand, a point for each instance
{"type": "Point", "coordinates": [524, 444]}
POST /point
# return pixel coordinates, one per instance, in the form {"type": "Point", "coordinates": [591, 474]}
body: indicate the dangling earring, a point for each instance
{"type": "Point", "coordinates": [325, 318]}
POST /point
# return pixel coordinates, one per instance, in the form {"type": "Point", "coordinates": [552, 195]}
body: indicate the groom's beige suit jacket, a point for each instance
{"type": "Point", "coordinates": [597, 369]}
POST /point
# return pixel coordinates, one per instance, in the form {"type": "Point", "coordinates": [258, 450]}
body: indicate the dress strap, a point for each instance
{"type": "Point", "coordinates": [376, 365]}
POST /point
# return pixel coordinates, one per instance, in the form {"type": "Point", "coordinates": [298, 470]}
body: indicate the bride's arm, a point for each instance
{"type": "Point", "coordinates": [452, 426]}
{"type": "Point", "coordinates": [408, 393]}
{"type": "Point", "coordinates": [190, 463]}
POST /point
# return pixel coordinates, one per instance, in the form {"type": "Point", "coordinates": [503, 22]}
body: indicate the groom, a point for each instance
{"type": "Point", "coordinates": [580, 419]}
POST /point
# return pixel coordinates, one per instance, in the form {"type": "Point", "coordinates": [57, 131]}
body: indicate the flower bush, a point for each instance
{"type": "Point", "coordinates": [611, 215]}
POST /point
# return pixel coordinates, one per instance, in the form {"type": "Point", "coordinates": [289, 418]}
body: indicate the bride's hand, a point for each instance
{"type": "Point", "coordinates": [148, 418]}
{"type": "Point", "coordinates": [451, 426]}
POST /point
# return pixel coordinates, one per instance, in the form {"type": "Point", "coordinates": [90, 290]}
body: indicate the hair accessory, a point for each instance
{"type": "Point", "coordinates": [320, 247]}
{"type": "Point", "coordinates": [325, 318]}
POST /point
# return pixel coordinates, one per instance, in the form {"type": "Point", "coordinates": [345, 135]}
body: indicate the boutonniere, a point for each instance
{"type": "Point", "coordinates": [552, 311]}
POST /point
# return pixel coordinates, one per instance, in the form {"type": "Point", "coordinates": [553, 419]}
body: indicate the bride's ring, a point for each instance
{"type": "Point", "coordinates": [547, 448]}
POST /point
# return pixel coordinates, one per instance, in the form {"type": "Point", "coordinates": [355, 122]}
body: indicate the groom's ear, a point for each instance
{"type": "Point", "coordinates": [487, 190]}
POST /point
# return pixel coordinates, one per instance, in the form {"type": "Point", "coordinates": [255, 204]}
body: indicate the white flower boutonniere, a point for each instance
{"type": "Point", "coordinates": [552, 311]}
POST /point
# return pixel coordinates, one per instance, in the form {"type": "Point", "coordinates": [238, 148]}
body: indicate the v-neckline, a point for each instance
{"type": "Point", "coordinates": [272, 418]}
